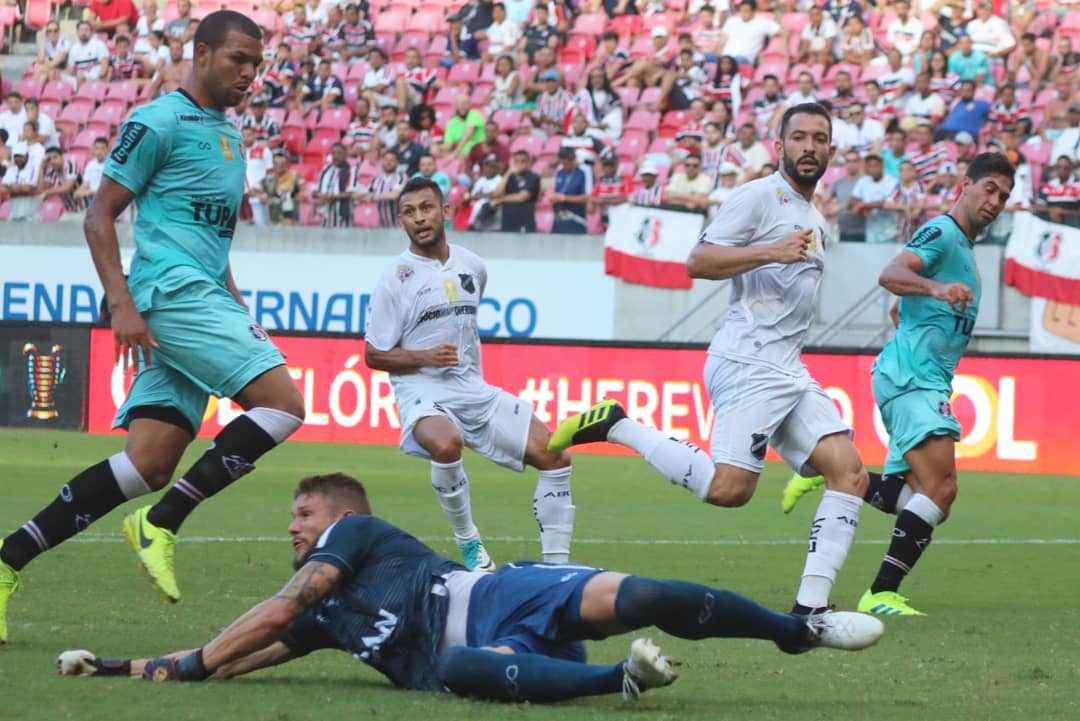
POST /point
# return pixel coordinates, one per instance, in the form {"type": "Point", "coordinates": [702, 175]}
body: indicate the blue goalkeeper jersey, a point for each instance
{"type": "Point", "coordinates": [932, 337]}
{"type": "Point", "coordinates": [389, 610]}
{"type": "Point", "coordinates": [184, 164]}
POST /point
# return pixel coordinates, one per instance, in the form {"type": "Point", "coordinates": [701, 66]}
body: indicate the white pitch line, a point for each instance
{"type": "Point", "coordinates": [103, 538]}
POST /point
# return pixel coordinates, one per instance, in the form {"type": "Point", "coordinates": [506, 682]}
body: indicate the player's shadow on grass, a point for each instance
{"type": "Point", "coordinates": [315, 681]}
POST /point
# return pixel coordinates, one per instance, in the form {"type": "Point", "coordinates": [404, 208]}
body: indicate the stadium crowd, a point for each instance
{"type": "Point", "coordinates": [535, 116]}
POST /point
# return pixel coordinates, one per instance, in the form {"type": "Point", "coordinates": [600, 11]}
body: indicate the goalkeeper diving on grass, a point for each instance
{"type": "Point", "coordinates": [369, 588]}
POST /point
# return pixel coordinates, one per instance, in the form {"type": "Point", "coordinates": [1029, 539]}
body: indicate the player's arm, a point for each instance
{"type": "Point", "coordinates": [903, 276]}
{"type": "Point", "coordinates": [130, 330]}
{"type": "Point", "coordinates": [713, 261]}
{"type": "Point", "coordinates": [398, 360]}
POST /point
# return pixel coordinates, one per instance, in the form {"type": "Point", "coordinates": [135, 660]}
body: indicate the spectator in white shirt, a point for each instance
{"type": "Point", "coordinates": [898, 80]}
{"type": "Point", "coordinates": [746, 34]}
{"type": "Point", "coordinates": [89, 57]}
{"type": "Point", "coordinates": [989, 33]}
{"type": "Point", "coordinates": [379, 86]}
{"type": "Point", "coordinates": [905, 31]}
{"type": "Point", "coordinates": [804, 92]}
{"type": "Point", "coordinates": [53, 54]}
{"type": "Point", "coordinates": [923, 104]}
{"type": "Point", "coordinates": [817, 38]}
{"type": "Point", "coordinates": [148, 23]}
{"type": "Point", "coordinates": [13, 118]}
{"type": "Point", "coordinates": [92, 172]}
{"type": "Point", "coordinates": [864, 134]}
{"type": "Point", "coordinates": [47, 134]}
{"type": "Point", "coordinates": [868, 198]}
{"type": "Point", "coordinates": [502, 35]}
{"type": "Point", "coordinates": [20, 185]}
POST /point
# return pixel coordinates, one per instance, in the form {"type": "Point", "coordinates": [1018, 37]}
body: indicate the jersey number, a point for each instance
{"type": "Point", "coordinates": [963, 324]}
{"type": "Point", "coordinates": [384, 626]}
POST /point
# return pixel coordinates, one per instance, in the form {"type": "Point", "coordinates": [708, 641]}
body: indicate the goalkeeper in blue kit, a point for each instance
{"type": "Point", "coordinates": [938, 283]}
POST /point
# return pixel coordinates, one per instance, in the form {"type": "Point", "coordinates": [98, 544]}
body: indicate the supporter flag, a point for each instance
{"type": "Point", "coordinates": [1043, 260]}
{"type": "Point", "coordinates": [650, 246]}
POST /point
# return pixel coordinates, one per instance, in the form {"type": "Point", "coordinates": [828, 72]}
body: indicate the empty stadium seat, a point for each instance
{"type": "Point", "coordinates": [57, 90]}
{"type": "Point", "coordinates": [29, 88]}
{"type": "Point", "coordinates": [93, 90]}
{"type": "Point", "coordinates": [51, 209]}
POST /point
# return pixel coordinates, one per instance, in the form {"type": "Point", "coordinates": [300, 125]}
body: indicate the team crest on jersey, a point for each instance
{"type": "Point", "coordinates": [945, 409]}
{"type": "Point", "coordinates": [257, 332]}
{"type": "Point", "coordinates": [404, 272]}
{"type": "Point", "coordinates": [467, 283]}
{"type": "Point", "coordinates": [782, 196]}
{"type": "Point", "coordinates": [759, 444]}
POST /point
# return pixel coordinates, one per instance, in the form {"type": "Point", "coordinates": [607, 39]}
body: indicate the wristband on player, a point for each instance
{"type": "Point", "coordinates": [186, 668]}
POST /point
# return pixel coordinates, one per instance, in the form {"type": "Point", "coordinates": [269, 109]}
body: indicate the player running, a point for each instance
{"type": "Point", "coordinates": [368, 588]}
{"type": "Point", "coordinates": [939, 287]}
{"type": "Point", "coordinates": [179, 316]}
{"type": "Point", "coordinates": [421, 328]}
{"type": "Point", "coordinates": [769, 239]}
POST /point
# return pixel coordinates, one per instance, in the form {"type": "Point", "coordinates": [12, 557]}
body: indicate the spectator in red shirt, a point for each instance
{"type": "Point", "coordinates": [105, 15]}
{"type": "Point", "coordinates": [610, 188]}
{"type": "Point", "coordinates": [490, 145]}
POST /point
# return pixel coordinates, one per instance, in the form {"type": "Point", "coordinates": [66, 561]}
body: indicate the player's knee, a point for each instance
{"type": "Point", "coordinates": [292, 403]}
{"type": "Point", "coordinates": [728, 493]}
{"type": "Point", "coordinates": [446, 449]}
{"type": "Point", "coordinates": [854, 481]}
{"type": "Point", "coordinates": [156, 472]}
{"type": "Point", "coordinates": [548, 461]}
{"type": "Point", "coordinates": [946, 494]}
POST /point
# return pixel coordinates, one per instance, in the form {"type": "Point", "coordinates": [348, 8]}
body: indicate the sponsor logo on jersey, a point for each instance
{"type": "Point", "coordinates": [131, 136]}
{"type": "Point", "coordinates": [215, 211]}
{"type": "Point", "coordinates": [925, 235]}
{"type": "Point", "coordinates": [189, 118]}
{"type": "Point", "coordinates": [226, 148]}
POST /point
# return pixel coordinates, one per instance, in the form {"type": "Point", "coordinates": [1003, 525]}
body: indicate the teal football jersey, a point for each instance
{"type": "Point", "coordinates": [933, 336]}
{"type": "Point", "coordinates": [185, 166]}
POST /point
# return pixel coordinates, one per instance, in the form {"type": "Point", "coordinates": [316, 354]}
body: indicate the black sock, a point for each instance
{"type": "Point", "coordinates": [232, 455]}
{"type": "Point", "coordinates": [484, 674]}
{"type": "Point", "coordinates": [83, 500]}
{"type": "Point", "coordinates": [910, 538]}
{"type": "Point", "coordinates": [689, 610]}
{"type": "Point", "coordinates": [884, 491]}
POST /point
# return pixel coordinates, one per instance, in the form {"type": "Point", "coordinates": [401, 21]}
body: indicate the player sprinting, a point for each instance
{"type": "Point", "coordinates": [179, 316]}
{"type": "Point", "coordinates": [939, 287]}
{"type": "Point", "coordinates": [421, 328]}
{"type": "Point", "coordinates": [767, 237]}
{"type": "Point", "coordinates": [369, 588]}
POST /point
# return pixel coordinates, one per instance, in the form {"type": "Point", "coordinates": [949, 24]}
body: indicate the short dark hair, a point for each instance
{"type": "Point", "coordinates": [499, 5]}
{"type": "Point", "coordinates": [804, 109]}
{"type": "Point", "coordinates": [54, 149]}
{"type": "Point", "coordinates": [967, 82]}
{"type": "Point", "coordinates": [415, 185]}
{"type": "Point", "coordinates": [15, 94]}
{"type": "Point", "coordinates": [985, 164]}
{"type": "Point", "coordinates": [83, 22]}
{"type": "Point", "coordinates": [159, 34]}
{"type": "Point", "coordinates": [101, 140]}
{"type": "Point", "coordinates": [522, 154]}
{"type": "Point", "coordinates": [32, 101]}
{"type": "Point", "coordinates": [345, 490]}
{"type": "Point", "coordinates": [217, 25]}
{"type": "Point", "coordinates": [391, 151]}
{"type": "Point", "coordinates": [873, 157]}
{"type": "Point", "coordinates": [770, 76]}
{"type": "Point", "coordinates": [1029, 37]}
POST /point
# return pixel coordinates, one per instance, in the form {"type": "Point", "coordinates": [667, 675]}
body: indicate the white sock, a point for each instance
{"type": "Point", "coordinates": [452, 488]}
{"type": "Point", "coordinates": [554, 509]}
{"type": "Point", "coordinates": [684, 464]}
{"type": "Point", "coordinates": [906, 494]}
{"type": "Point", "coordinates": [925, 509]}
{"type": "Point", "coordinates": [279, 425]}
{"type": "Point", "coordinates": [831, 536]}
{"type": "Point", "coordinates": [127, 476]}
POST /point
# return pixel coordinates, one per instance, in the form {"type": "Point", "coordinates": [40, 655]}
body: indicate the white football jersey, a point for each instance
{"type": "Point", "coordinates": [772, 306]}
{"type": "Point", "coordinates": [420, 303]}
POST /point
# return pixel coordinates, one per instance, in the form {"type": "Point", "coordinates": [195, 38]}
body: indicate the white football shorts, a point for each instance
{"type": "Point", "coordinates": [758, 406]}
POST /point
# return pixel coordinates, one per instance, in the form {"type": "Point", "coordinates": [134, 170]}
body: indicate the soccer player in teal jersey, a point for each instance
{"type": "Point", "coordinates": [938, 283]}
{"type": "Point", "coordinates": [179, 316]}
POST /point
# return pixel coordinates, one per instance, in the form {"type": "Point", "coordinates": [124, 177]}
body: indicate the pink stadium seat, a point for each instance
{"type": "Point", "coordinates": [126, 90]}
{"type": "Point", "coordinates": [57, 90]}
{"type": "Point", "coordinates": [632, 146]}
{"type": "Point", "coordinates": [38, 14]}
{"type": "Point", "coordinates": [50, 108]}
{"type": "Point", "coordinates": [794, 22]}
{"type": "Point", "coordinates": [267, 18]}
{"type": "Point", "coordinates": [357, 71]}
{"type": "Point", "coordinates": [93, 90]}
{"type": "Point", "coordinates": [436, 50]}
{"type": "Point", "coordinates": [447, 96]}
{"type": "Point", "coordinates": [508, 120]}
{"type": "Point", "coordinates": [466, 72]}
{"type": "Point", "coordinates": [320, 145]}
{"type": "Point", "coordinates": [649, 95]}
{"type": "Point", "coordinates": [51, 209]}
{"type": "Point", "coordinates": [665, 20]}
{"type": "Point", "coordinates": [5, 210]}
{"type": "Point", "coordinates": [352, 92]}
{"type": "Point", "coordinates": [626, 25]}
{"type": "Point", "coordinates": [571, 73]}
{"type": "Point", "coordinates": [79, 156]}
{"type": "Point", "coordinates": [337, 119]}
{"type": "Point", "coordinates": [628, 95]}
{"type": "Point", "coordinates": [29, 88]}
{"type": "Point", "coordinates": [432, 21]}
{"type": "Point", "coordinates": [642, 120]}
{"type": "Point", "coordinates": [311, 168]}
{"type": "Point", "coordinates": [532, 144]}
{"type": "Point", "coordinates": [552, 145]}
{"type": "Point", "coordinates": [662, 142]}
{"type": "Point", "coordinates": [392, 21]}
{"type": "Point", "coordinates": [366, 215]}
{"type": "Point", "coordinates": [277, 115]}
{"type": "Point", "coordinates": [545, 218]}
{"type": "Point", "coordinates": [590, 24]}
{"type": "Point", "coordinates": [480, 94]}
{"type": "Point", "coordinates": [73, 118]}
{"type": "Point", "coordinates": [84, 140]}
{"type": "Point", "coordinates": [411, 39]}
{"type": "Point", "coordinates": [294, 138]}
{"type": "Point", "coordinates": [107, 118]}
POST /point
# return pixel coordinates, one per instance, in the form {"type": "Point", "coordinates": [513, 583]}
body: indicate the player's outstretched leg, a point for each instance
{"type": "Point", "coordinates": [276, 411]}
{"type": "Point", "coordinates": [84, 499]}
{"type": "Point", "coordinates": [482, 673]}
{"type": "Point", "coordinates": [682, 463]}
{"type": "Point", "coordinates": [886, 492]}
{"type": "Point", "coordinates": [692, 611]}
{"type": "Point", "coordinates": [553, 501]}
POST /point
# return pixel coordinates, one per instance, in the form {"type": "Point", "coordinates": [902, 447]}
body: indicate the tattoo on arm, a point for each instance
{"type": "Point", "coordinates": [310, 584]}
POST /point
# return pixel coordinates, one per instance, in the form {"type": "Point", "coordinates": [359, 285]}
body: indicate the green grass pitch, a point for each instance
{"type": "Point", "coordinates": [1001, 584]}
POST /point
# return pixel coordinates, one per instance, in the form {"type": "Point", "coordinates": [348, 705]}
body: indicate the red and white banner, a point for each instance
{"type": "Point", "coordinates": [650, 246]}
{"type": "Point", "coordinates": [1042, 260]}
{"type": "Point", "coordinates": [1016, 413]}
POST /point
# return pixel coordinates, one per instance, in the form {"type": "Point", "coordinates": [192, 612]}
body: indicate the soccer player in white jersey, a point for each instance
{"type": "Point", "coordinates": [421, 329]}
{"type": "Point", "coordinates": [768, 238]}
